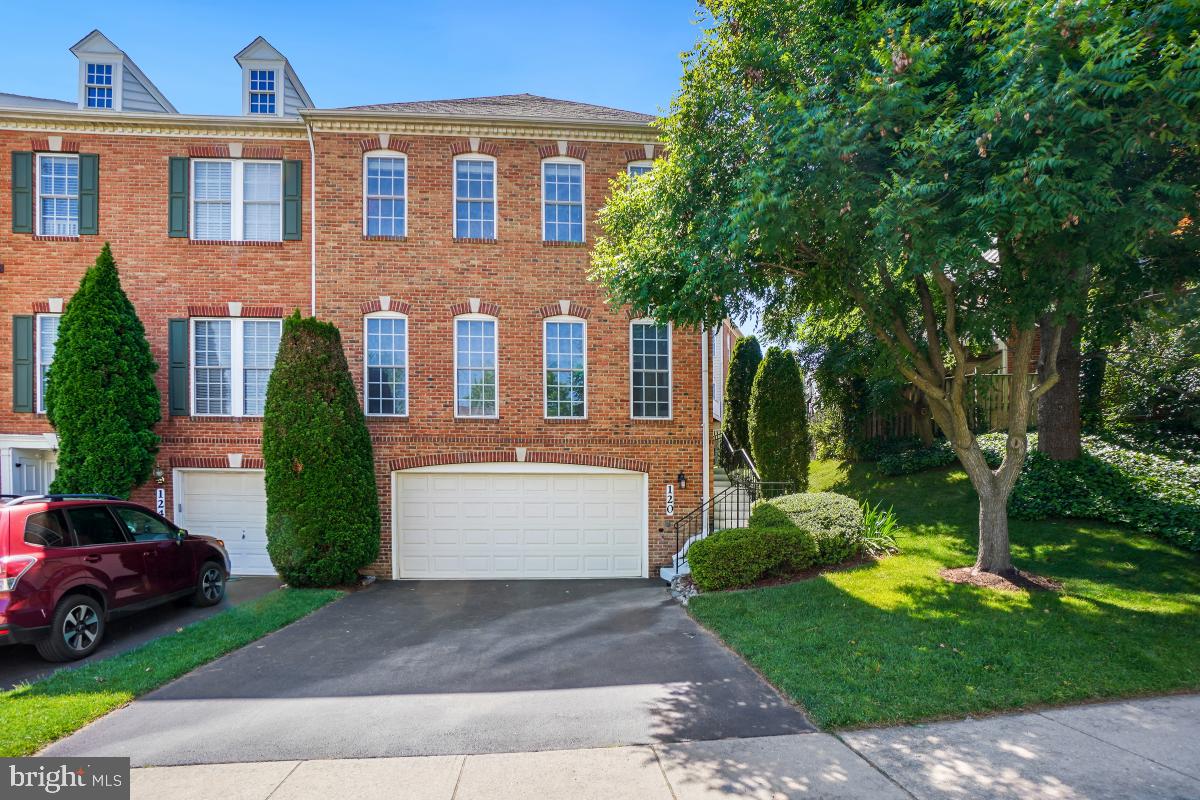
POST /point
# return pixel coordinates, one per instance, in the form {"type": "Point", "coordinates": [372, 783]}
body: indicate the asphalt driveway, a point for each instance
{"type": "Point", "coordinates": [462, 667]}
{"type": "Point", "coordinates": [20, 663]}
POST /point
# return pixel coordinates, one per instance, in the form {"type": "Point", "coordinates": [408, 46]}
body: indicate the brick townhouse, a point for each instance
{"type": "Point", "coordinates": [522, 427]}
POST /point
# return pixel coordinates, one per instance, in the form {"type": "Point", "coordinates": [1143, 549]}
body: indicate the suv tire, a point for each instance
{"type": "Point", "coordinates": [210, 585]}
{"type": "Point", "coordinates": [76, 630]}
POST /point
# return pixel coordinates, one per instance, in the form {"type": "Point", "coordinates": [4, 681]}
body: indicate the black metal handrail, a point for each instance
{"type": "Point", "coordinates": [736, 462]}
{"type": "Point", "coordinates": [729, 508]}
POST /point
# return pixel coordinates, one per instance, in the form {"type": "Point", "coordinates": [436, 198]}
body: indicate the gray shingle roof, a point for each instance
{"type": "Point", "coordinates": [22, 101]}
{"type": "Point", "coordinates": [511, 106]}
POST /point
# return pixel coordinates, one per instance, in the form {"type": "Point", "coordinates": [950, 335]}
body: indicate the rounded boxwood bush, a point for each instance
{"type": "Point", "coordinates": [322, 502]}
{"type": "Point", "coordinates": [737, 557]}
{"type": "Point", "coordinates": [836, 521]}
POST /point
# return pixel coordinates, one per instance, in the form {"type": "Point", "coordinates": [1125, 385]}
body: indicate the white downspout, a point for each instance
{"type": "Point", "coordinates": [705, 416]}
{"type": "Point", "coordinates": [312, 216]}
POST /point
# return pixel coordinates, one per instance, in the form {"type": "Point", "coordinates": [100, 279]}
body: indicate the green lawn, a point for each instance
{"type": "Point", "coordinates": [893, 642]}
{"type": "Point", "coordinates": [33, 715]}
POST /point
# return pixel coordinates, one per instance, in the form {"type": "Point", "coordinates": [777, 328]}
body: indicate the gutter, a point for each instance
{"type": "Point", "coordinates": [705, 418]}
{"type": "Point", "coordinates": [312, 216]}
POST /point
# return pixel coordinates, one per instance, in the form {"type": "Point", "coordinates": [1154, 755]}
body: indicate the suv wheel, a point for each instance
{"type": "Point", "coordinates": [210, 586]}
{"type": "Point", "coordinates": [76, 630]}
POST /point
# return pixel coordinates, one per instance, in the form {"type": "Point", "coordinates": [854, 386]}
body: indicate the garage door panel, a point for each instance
{"type": "Point", "coordinates": [585, 525]}
{"type": "Point", "coordinates": [233, 507]}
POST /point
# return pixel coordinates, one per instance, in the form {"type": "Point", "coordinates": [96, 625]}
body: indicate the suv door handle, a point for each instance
{"type": "Point", "coordinates": [92, 559]}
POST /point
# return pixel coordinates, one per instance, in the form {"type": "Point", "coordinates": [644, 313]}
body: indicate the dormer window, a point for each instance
{"type": "Point", "coordinates": [98, 86]}
{"type": "Point", "coordinates": [262, 91]}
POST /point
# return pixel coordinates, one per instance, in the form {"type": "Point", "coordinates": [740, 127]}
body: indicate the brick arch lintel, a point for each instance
{"type": "Point", "coordinates": [475, 306]}
{"type": "Point", "coordinates": [573, 309]}
{"type": "Point", "coordinates": [462, 147]}
{"type": "Point", "coordinates": [394, 143]}
{"type": "Point", "coordinates": [399, 306]}
{"type": "Point", "coordinates": [510, 457]}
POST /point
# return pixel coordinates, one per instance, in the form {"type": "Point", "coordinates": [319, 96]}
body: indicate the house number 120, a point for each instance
{"type": "Point", "coordinates": [670, 500]}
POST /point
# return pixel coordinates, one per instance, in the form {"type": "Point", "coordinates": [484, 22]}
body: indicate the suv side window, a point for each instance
{"type": "Point", "coordinates": [94, 525]}
{"type": "Point", "coordinates": [47, 529]}
{"type": "Point", "coordinates": [142, 527]}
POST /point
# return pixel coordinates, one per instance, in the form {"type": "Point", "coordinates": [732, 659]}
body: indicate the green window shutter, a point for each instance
{"type": "Point", "coordinates": [22, 192]}
{"type": "Point", "coordinates": [293, 215]}
{"type": "Point", "coordinates": [177, 367]}
{"type": "Point", "coordinates": [177, 202]}
{"type": "Point", "coordinates": [22, 363]}
{"type": "Point", "coordinates": [89, 194]}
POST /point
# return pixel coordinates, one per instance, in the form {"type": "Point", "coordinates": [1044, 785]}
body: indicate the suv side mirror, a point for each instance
{"type": "Point", "coordinates": [181, 534]}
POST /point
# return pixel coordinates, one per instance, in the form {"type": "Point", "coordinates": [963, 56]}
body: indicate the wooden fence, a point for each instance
{"type": "Point", "coordinates": [987, 408]}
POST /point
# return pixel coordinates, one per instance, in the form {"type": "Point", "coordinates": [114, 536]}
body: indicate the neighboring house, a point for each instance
{"type": "Point", "coordinates": [521, 426]}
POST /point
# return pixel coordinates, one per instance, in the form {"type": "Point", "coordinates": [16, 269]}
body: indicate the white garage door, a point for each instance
{"type": "Point", "coordinates": [231, 506]}
{"type": "Point", "coordinates": [496, 524]}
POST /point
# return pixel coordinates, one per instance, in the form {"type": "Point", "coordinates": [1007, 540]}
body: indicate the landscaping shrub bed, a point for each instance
{"type": "Point", "coordinates": [913, 459]}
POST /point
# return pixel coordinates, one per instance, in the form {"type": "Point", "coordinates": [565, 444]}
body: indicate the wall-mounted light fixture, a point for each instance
{"type": "Point", "coordinates": [681, 479]}
{"type": "Point", "coordinates": [159, 476]}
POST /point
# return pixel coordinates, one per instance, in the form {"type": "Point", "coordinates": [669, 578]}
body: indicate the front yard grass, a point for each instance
{"type": "Point", "coordinates": [34, 715]}
{"type": "Point", "coordinates": [893, 642]}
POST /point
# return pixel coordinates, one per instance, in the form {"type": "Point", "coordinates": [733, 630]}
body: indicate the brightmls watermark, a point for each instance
{"type": "Point", "coordinates": [65, 778]}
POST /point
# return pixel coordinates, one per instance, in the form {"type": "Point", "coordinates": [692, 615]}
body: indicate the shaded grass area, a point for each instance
{"type": "Point", "coordinates": [892, 642]}
{"type": "Point", "coordinates": [35, 714]}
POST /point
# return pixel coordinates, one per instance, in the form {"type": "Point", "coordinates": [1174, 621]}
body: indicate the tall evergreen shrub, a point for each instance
{"type": "Point", "coordinates": [778, 425]}
{"type": "Point", "coordinates": [101, 397]}
{"type": "Point", "coordinates": [743, 365]}
{"type": "Point", "coordinates": [322, 502]}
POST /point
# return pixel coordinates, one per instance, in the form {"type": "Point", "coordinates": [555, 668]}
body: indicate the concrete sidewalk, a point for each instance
{"type": "Point", "coordinates": [1148, 749]}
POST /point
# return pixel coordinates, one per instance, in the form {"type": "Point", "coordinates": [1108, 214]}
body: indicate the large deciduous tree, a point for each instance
{"type": "Point", "coordinates": [956, 172]}
{"type": "Point", "coordinates": [101, 397]}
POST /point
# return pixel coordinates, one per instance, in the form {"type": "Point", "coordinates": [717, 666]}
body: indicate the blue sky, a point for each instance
{"type": "Point", "coordinates": [619, 53]}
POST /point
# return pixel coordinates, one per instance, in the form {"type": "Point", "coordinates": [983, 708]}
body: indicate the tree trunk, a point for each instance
{"type": "Point", "coordinates": [994, 555]}
{"type": "Point", "coordinates": [1058, 415]}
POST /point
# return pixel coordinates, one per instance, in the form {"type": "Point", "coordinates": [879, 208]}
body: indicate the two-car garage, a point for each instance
{"type": "Point", "coordinates": [460, 521]}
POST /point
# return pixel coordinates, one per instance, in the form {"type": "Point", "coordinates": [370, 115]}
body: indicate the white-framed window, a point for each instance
{"type": "Point", "coordinates": [565, 361]}
{"type": "Point", "coordinates": [236, 200]}
{"type": "Point", "coordinates": [476, 386]}
{"type": "Point", "coordinates": [385, 364]}
{"type": "Point", "coordinates": [98, 85]}
{"type": "Point", "coordinates": [385, 192]}
{"type": "Point", "coordinates": [636, 169]}
{"type": "Point", "coordinates": [263, 96]}
{"type": "Point", "coordinates": [232, 359]}
{"type": "Point", "coordinates": [650, 369]}
{"type": "Point", "coordinates": [474, 197]}
{"type": "Point", "coordinates": [562, 200]}
{"type": "Point", "coordinates": [47, 338]}
{"type": "Point", "coordinates": [58, 195]}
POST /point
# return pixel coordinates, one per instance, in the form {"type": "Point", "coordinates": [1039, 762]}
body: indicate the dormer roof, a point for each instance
{"type": "Point", "coordinates": [131, 89]}
{"type": "Point", "coordinates": [262, 54]}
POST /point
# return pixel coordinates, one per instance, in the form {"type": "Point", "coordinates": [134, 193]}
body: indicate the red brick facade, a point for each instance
{"type": "Point", "coordinates": [428, 274]}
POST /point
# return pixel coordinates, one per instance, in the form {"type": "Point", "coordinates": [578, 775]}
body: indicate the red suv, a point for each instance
{"type": "Point", "coordinates": [70, 562]}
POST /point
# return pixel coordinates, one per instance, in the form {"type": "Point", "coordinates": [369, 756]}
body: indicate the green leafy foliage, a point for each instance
{"type": "Point", "coordinates": [743, 366]}
{"type": "Point", "coordinates": [1147, 492]}
{"type": "Point", "coordinates": [879, 529]}
{"type": "Point", "coordinates": [737, 557]}
{"type": "Point", "coordinates": [101, 398]}
{"type": "Point", "coordinates": [778, 425]}
{"type": "Point", "coordinates": [836, 521]}
{"type": "Point", "coordinates": [322, 502]}
{"type": "Point", "coordinates": [918, 458]}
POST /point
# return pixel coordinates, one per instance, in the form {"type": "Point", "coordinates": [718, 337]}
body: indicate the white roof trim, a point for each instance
{"type": "Point", "coordinates": [99, 44]}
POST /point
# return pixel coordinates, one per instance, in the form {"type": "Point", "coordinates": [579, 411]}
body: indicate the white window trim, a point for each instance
{"type": "Point", "coordinates": [454, 191]}
{"type": "Point", "coordinates": [454, 366]}
{"type": "Point", "coordinates": [237, 190]}
{"type": "Point", "coordinates": [237, 364]}
{"type": "Point", "coordinates": [118, 64]}
{"type": "Point", "coordinates": [37, 183]}
{"type": "Point", "coordinates": [546, 367]}
{"type": "Point", "coordinates": [277, 68]}
{"type": "Point", "coordinates": [582, 191]}
{"type": "Point", "coordinates": [407, 369]}
{"type": "Point", "coordinates": [384, 154]}
{"type": "Point", "coordinates": [670, 368]}
{"type": "Point", "coordinates": [40, 406]}
{"type": "Point", "coordinates": [645, 162]}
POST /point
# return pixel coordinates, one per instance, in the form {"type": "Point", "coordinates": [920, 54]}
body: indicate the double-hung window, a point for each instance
{"type": "Point", "coordinates": [475, 384]}
{"type": "Point", "coordinates": [98, 86]}
{"type": "Point", "coordinates": [474, 197]}
{"type": "Point", "coordinates": [385, 187]}
{"type": "Point", "coordinates": [231, 363]}
{"type": "Point", "coordinates": [650, 346]}
{"type": "Point", "coordinates": [237, 200]}
{"type": "Point", "coordinates": [566, 367]}
{"type": "Point", "coordinates": [58, 195]}
{"type": "Point", "coordinates": [637, 169]}
{"type": "Point", "coordinates": [262, 91]}
{"type": "Point", "coordinates": [562, 200]}
{"type": "Point", "coordinates": [386, 377]}
{"type": "Point", "coordinates": [47, 338]}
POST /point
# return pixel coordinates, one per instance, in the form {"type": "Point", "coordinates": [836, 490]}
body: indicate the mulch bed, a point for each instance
{"type": "Point", "coordinates": [1018, 581]}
